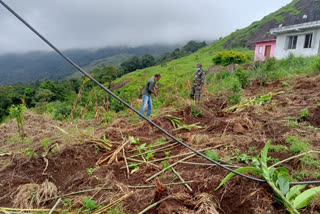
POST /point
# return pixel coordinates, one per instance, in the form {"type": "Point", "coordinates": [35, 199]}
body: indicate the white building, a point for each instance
{"type": "Point", "coordinates": [300, 39]}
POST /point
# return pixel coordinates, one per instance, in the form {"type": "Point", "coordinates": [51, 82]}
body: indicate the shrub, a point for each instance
{"type": "Point", "coordinates": [243, 77]}
{"type": "Point", "coordinates": [17, 111]}
{"type": "Point", "coordinates": [297, 145]}
{"type": "Point", "coordinates": [316, 63]}
{"type": "Point", "coordinates": [223, 74]}
{"type": "Point", "coordinates": [59, 110]}
{"type": "Point", "coordinates": [234, 98]}
{"type": "Point", "coordinates": [196, 111]}
{"type": "Point", "coordinates": [229, 57]}
{"type": "Point", "coordinates": [304, 114]}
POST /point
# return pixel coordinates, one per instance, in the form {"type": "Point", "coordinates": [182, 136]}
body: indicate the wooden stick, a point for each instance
{"type": "Point", "coordinates": [126, 162]}
{"type": "Point", "coordinates": [152, 186]}
{"type": "Point", "coordinates": [133, 150]}
{"type": "Point", "coordinates": [158, 173]}
{"type": "Point", "coordinates": [155, 150]}
{"type": "Point", "coordinates": [206, 164]}
{"type": "Point", "coordinates": [176, 156]}
{"type": "Point", "coordinates": [140, 162]}
{"type": "Point", "coordinates": [74, 193]}
{"type": "Point", "coordinates": [224, 131]}
{"type": "Point", "coordinates": [23, 210]}
{"type": "Point", "coordinates": [188, 187]}
{"type": "Point", "coordinates": [293, 157]}
{"type": "Point", "coordinates": [112, 203]}
{"type": "Point", "coordinates": [54, 207]}
{"type": "Point", "coordinates": [153, 205]}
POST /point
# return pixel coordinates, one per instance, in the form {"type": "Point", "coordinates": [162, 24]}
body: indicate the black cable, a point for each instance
{"type": "Point", "coordinates": [134, 110]}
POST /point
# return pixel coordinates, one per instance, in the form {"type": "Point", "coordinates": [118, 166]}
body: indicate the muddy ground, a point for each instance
{"type": "Point", "coordinates": [71, 164]}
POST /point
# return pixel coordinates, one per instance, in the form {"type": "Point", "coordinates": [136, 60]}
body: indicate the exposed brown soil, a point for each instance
{"type": "Point", "coordinates": [69, 168]}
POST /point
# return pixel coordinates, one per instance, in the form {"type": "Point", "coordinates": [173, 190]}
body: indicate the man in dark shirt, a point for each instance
{"type": "Point", "coordinates": [147, 91]}
{"type": "Point", "coordinates": [198, 82]}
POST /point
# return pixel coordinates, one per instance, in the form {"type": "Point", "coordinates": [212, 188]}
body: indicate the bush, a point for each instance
{"type": "Point", "coordinates": [243, 77]}
{"type": "Point", "coordinates": [316, 64]}
{"type": "Point", "coordinates": [196, 111]}
{"type": "Point", "coordinates": [223, 74]}
{"type": "Point", "coordinates": [59, 110]}
{"type": "Point", "coordinates": [229, 57]}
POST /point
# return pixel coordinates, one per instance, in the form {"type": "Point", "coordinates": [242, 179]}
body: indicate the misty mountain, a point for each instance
{"type": "Point", "coordinates": [40, 65]}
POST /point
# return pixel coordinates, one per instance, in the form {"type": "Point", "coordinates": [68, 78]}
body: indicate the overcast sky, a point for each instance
{"type": "Point", "coordinates": [100, 23]}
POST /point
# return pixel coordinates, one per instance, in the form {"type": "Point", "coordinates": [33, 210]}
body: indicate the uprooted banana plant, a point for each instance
{"type": "Point", "coordinates": [278, 179]}
{"type": "Point", "coordinates": [259, 100]}
{"type": "Point", "coordinates": [178, 124]}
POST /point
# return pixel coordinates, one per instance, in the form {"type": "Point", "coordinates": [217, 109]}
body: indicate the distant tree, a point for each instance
{"type": "Point", "coordinates": [176, 53]}
{"type": "Point", "coordinates": [192, 46]}
{"type": "Point", "coordinates": [48, 85]}
{"type": "Point", "coordinates": [131, 65]}
{"type": "Point", "coordinates": [109, 73]}
{"type": "Point", "coordinates": [29, 97]}
{"type": "Point", "coordinates": [75, 84]}
{"type": "Point", "coordinates": [164, 58]}
{"type": "Point", "coordinates": [57, 90]}
{"type": "Point", "coordinates": [147, 61]}
{"type": "Point", "coordinates": [45, 95]}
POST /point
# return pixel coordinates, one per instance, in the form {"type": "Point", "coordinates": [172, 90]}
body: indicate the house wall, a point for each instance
{"type": "Point", "coordinates": [260, 56]}
{"type": "Point", "coordinates": [282, 50]}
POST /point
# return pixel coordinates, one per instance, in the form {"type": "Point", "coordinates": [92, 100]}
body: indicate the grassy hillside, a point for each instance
{"type": "Point", "coordinates": [113, 60]}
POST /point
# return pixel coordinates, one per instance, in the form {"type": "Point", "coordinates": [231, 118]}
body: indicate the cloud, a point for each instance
{"type": "Point", "coordinates": [96, 23]}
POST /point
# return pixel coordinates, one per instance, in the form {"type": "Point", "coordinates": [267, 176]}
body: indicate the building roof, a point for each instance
{"type": "Point", "coordinates": [295, 28]}
{"type": "Point", "coordinates": [267, 40]}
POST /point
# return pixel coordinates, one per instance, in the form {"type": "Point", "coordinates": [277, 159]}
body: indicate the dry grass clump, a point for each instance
{"type": "Point", "coordinates": [32, 194]}
{"type": "Point", "coordinates": [205, 204]}
{"type": "Point", "coordinates": [26, 196]}
{"type": "Point", "coordinates": [47, 190]}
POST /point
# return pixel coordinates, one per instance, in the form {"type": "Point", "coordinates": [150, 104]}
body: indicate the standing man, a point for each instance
{"type": "Point", "coordinates": [198, 83]}
{"type": "Point", "coordinates": [147, 91]}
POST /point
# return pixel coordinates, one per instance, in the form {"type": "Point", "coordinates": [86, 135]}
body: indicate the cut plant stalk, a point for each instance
{"type": "Point", "coordinates": [182, 180]}
{"type": "Point", "coordinates": [153, 205]}
{"type": "Point", "coordinates": [152, 186]}
{"type": "Point", "coordinates": [168, 167]}
{"type": "Point", "coordinates": [103, 209]}
{"type": "Point", "coordinates": [175, 156]}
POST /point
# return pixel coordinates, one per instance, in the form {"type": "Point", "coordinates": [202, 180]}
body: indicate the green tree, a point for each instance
{"type": "Point", "coordinates": [192, 46]}
{"type": "Point", "coordinates": [45, 95]}
{"type": "Point", "coordinates": [147, 61]}
{"type": "Point", "coordinates": [29, 97]}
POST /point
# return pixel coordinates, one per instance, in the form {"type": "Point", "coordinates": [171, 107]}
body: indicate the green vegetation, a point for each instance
{"type": "Point", "coordinates": [278, 148]}
{"type": "Point", "coordinates": [211, 154]}
{"type": "Point", "coordinates": [278, 179]}
{"type": "Point", "coordinates": [196, 110]}
{"type": "Point", "coordinates": [17, 112]}
{"type": "Point", "coordinates": [304, 114]}
{"type": "Point", "coordinates": [297, 145]}
{"type": "Point", "coordinates": [229, 57]}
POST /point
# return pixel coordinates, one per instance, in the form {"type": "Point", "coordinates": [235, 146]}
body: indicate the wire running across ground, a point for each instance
{"type": "Point", "coordinates": [133, 109]}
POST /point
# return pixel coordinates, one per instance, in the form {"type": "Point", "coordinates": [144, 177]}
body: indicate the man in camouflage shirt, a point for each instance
{"type": "Point", "coordinates": [198, 83]}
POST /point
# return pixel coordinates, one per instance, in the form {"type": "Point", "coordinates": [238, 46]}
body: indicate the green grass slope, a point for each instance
{"type": "Point", "coordinates": [178, 74]}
